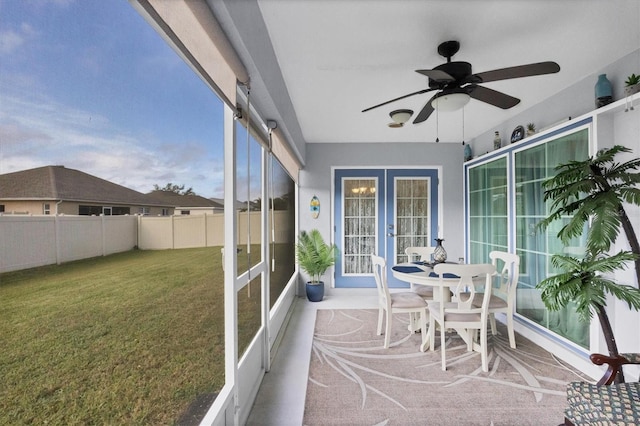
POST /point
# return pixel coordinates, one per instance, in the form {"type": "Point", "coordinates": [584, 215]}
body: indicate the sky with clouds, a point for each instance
{"type": "Point", "coordinates": [88, 84]}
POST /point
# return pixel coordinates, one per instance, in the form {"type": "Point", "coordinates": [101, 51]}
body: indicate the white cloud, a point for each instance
{"type": "Point", "coordinates": [42, 132]}
{"type": "Point", "coordinates": [10, 41]}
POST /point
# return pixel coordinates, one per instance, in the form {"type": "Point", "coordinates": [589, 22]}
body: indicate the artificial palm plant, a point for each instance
{"type": "Point", "coordinates": [315, 256]}
{"type": "Point", "coordinates": [593, 190]}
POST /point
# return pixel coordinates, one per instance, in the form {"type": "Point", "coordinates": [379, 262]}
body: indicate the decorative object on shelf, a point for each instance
{"type": "Point", "coordinates": [531, 129]}
{"type": "Point", "coordinates": [604, 91]}
{"type": "Point", "coordinates": [497, 141]}
{"type": "Point", "coordinates": [439, 253]}
{"type": "Point", "coordinates": [314, 207]}
{"type": "Point", "coordinates": [632, 85]}
{"type": "Point", "coordinates": [468, 152]}
{"type": "Point", "coordinates": [517, 134]}
{"type": "Point", "coordinates": [315, 257]}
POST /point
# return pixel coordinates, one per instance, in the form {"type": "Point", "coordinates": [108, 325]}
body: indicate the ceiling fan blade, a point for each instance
{"type": "Point", "coordinates": [397, 99]}
{"type": "Point", "coordinates": [437, 75]}
{"type": "Point", "coordinates": [529, 70]}
{"type": "Point", "coordinates": [492, 97]}
{"type": "Point", "coordinates": [425, 112]}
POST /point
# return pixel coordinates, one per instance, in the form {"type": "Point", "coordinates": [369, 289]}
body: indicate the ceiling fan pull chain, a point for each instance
{"type": "Point", "coordinates": [462, 126]}
{"type": "Point", "coordinates": [437, 127]}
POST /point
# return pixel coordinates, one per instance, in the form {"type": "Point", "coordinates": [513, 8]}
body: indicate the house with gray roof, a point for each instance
{"type": "Point", "coordinates": [188, 204]}
{"type": "Point", "coordinates": [61, 190]}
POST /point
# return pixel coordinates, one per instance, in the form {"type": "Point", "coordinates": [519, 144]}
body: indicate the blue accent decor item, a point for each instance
{"type": "Point", "coordinates": [315, 292]}
{"type": "Point", "coordinates": [604, 92]}
{"type": "Point", "coordinates": [407, 269]}
{"type": "Point", "coordinates": [468, 153]}
{"type": "Point", "coordinates": [445, 275]}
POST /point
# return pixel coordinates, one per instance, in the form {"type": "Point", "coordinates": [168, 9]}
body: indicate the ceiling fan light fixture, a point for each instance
{"type": "Point", "coordinates": [450, 101]}
{"type": "Point", "coordinates": [401, 116]}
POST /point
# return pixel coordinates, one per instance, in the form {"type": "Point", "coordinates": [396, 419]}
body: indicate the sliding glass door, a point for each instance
{"type": "Point", "coordinates": [532, 167]}
{"type": "Point", "coordinates": [504, 204]}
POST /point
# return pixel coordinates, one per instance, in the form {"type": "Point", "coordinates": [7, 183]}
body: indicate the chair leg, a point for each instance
{"type": "Point", "coordinates": [380, 313]}
{"type": "Point", "coordinates": [483, 348]}
{"type": "Point", "coordinates": [512, 334]}
{"type": "Point", "coordinates": [492, 320]}
{"type": "Point", "coordinates": [413, 321]}
{"type": "Point", "coordinates": [443, 337]}
{"type": "Point", "coordinates": [432, 331]}
{"type": "Point", "coordinates": [387, 333]}
{"type": "Point", "coordinates": [423, 326]}
{"type": "Point", "coordinates": [471, 337]}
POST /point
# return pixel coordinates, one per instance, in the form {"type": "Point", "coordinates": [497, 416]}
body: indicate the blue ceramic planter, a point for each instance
{"type": "Point", "coordinates": [315, 292]}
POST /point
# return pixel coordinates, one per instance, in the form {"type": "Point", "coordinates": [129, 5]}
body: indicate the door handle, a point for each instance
{"type": "Point", "coordinates": [391, 234]}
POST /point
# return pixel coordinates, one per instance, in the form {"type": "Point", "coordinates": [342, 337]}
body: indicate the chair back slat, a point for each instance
{"type": "Point", "coordinates": [471, 275]}
{"type": "Point", "coordinates": [419, 253]}
{"type": "Point", "coordinates": [509, 275]}
{"type": "Point", "coordinates": [380, 275]}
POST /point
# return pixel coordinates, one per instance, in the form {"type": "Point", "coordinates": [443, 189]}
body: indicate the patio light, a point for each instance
{"type": "Point", "coordinates": [450, 101]}
{"type": "Point", "coordinates": [399, 117]}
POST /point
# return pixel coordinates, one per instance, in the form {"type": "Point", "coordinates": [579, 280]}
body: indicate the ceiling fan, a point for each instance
{"type": "Point", "coordinates": [456, 84]}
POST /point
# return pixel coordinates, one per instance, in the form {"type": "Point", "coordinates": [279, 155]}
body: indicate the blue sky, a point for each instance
{"type": "Point", "coordinates": [88, 84]}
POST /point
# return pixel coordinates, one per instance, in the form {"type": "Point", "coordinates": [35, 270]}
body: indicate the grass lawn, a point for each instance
{"type": "Point", "coordinates": [131, 338]}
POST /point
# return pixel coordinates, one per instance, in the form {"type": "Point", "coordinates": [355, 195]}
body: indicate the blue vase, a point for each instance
{"type": "Point", "coordinates": [468, 153]}
{"type": "Point", "coordinates": [604, 92]}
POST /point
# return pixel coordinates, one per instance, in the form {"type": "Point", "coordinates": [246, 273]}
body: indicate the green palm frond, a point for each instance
{"type": "Point", "coordinates": [584, 282]}
{"type": "Point", "coordinates": [314, 255]}
{"type": "Point", "coordinates": [592, 192]}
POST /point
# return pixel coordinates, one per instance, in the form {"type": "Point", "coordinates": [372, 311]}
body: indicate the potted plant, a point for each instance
{"type": "Point", "coordinates": [593, 190]}
{"type": "Point", "coordinates": [531, 129]}
{"type": "Point", "coordinates": [315, 257]}
{"type": "Point", "coordinates": [632, 85]}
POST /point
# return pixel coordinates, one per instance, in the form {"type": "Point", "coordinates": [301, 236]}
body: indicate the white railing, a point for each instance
{"type": "Point", "coordinates": [31, 241]}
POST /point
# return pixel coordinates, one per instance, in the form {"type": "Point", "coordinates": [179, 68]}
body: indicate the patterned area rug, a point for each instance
{"type": "Point", "coordinates": [353, 380]}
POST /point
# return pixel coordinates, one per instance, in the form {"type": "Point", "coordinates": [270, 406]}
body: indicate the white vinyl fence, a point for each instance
{"type": "Point", "coordinates": [31, 241]}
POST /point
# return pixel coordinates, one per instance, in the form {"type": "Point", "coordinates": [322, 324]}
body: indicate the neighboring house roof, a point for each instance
{"type": "Point", "coordinates": [178, 200]}
{"type": "Point", "coordinates": [61, 183]}
{"type": "Point", "coordinates": [239, 204]}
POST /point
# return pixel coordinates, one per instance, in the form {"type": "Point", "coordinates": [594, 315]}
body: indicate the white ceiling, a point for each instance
{"type": "Point", "coordinates": [333, 58]}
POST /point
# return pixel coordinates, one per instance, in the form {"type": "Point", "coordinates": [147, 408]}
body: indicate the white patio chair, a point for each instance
{"type": "Point", "coordinates": [503, 296]}
{"type": "Point", "coordinates": [461, 315]}
{"type": "Point", "coordinates": [420, 254]}
{"type": "Point", "coordinates": [390, 303]}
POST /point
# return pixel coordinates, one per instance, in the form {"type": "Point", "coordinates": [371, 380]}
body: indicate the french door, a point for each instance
{"type": "Point", "coordinates": [381, 211]}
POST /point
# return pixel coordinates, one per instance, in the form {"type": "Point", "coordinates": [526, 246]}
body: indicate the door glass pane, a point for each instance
{"type": "Point", "coordinates": [249, 229]}
{"type": "Point", "coordinates": [282, 220]}
{"type": "Point", "coordinates": [488, 223]}
{"type": "Point", "coordinates": [535, 248]}
{"type": "Point", "coordinates": [413, 223]}
{"type": "Point", "coordinates": [359, 224]}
